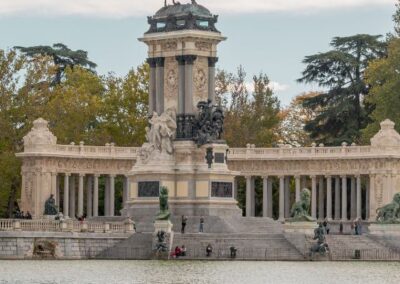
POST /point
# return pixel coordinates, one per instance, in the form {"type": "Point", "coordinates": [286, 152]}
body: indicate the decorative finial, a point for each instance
{"type": "Point", "coordinates": [165, 3]}
{"type": "Point", "coordinates": [194, 2]}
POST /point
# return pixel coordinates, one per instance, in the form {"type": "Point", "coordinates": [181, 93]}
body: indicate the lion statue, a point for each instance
{"type": "Point", "coordinates": [300, 210]}
{"type": "Point", "coordinates": [390, 213]}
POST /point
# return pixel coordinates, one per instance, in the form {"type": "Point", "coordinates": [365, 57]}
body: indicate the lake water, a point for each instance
{"type": "Point", "coordinates": [177, 272]}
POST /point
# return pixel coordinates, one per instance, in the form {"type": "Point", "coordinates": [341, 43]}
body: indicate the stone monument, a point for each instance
{"type": "Point", "coordinates": [184, 150]}
{"type": "Point", "coordinates": [163, 234]}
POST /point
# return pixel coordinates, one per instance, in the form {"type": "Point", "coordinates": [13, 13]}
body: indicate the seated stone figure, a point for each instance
{"type": "Point", "coordinates": [50, 207]}
{"type": "Point", "coordinates": [390, 213]}
{"type": "Point", "coordinates": [300, 210]}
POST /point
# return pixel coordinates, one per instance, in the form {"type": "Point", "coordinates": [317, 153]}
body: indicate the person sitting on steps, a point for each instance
{"type": "Point", "coordinates": [209, 250]}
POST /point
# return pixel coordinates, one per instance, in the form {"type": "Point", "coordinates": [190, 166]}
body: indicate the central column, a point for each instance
{"type": "Point", "coordinates": [266, 200]}
{"type": "Point", "coordinates": [329, 198]}
{"type": "Point", "coordinates": [189, 61]}
{"type": "Point", "coordinates": [80, 195]}
{"type": "Point", "coordinates": [89, 196]}
{"type": "Point", "coordinates": [321, 199]}
{"type": "Point", "coordinates": [152, 85]}
{"type": "Point", "coordinates": [282, 198]}
{"type": "Point", "coordinates": [72, 192]}
{"type": "Point", "coordinates": [358, 182]}
{"type": "Point", "coordinates": [344, 198]}
{"type": "Point", "coordinates": [160, 84]}
{"type": "Point", "coordinates": [314, 197]}
{"type": "Point", "coordinates": [211, 78]}
{"type": "Point", "coordinates": [253, 197]}
{"type": "Point", "coordinates": [112, 195]}
{"type": "Point", "coordinates": [337, 198]}
{"type": "Point", "coordinates": [66, 195]}
{"type": "Point", "coordinates": [107, 196]}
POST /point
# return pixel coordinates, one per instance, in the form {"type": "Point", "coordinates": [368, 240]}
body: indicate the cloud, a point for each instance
{"type": "Point", "coordinates": [275, 86]}
{"type": "Point", "coordinates": [127, 8]}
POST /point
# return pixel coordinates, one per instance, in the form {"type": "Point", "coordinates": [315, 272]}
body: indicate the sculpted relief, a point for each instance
{"type": "Point", "coordinates": [200, 79]}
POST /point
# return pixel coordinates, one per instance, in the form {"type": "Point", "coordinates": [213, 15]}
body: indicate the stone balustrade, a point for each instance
{"type": "Point", "coordinates": [42, 225]}
{"type": "Point", "coordinates": [109, 151]}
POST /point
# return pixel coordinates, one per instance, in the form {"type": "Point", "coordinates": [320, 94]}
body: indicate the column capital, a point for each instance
{"type": "Point", "coordinates": [190, 59]}
{"type": "Point", "coordinates": [328, 176]}
{"type": "Point", "coordinates": [297, 176]}
{"type": "Point", "coordinates": [160, 61]}
{"type": "Point", "coordinates": [112, 176]}
{"type": "Point", "coordinates": [212, 61]}
{"type": "Point", "coordinates": [180, 59]}
{"type": "Point", "coordinates": [67, 174]}
{"type": "Point", "coordinates": [343, 176]}
{"type": "Point", "coordinates": [82, 174]}
{"type": "Point", "coordinates": [313, 176]}
{"type": "Point", "coordinates": [152, 62]}
{"type": "Point", "coordinates": [54, 173]}
{"type": "Point", "coordinates": [265, 177]}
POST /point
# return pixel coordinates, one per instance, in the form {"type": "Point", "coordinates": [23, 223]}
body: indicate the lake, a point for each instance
{"type": "Point", "coordinates": [88, 271]}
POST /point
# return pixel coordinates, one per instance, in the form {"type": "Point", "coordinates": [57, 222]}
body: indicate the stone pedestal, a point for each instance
{"type": "Point", "coordinates": [300, 227]}
{"type": "Point", "coordinates": [166, 228]}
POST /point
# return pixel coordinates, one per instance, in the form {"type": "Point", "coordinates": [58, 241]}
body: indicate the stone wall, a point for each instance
{"type": "Point", "coordinates": [21, 245]}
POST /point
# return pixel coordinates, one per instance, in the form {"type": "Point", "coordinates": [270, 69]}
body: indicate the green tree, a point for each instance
{"type": "Point", "coordinates": [383, 77]}
{"type": "Point", "coordinates": [341, 113]}
{"type": "Point", "coordinates": [62, 57]}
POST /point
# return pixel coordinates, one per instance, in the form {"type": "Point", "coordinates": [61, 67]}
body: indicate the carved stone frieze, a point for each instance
{"type": "Point", "coordinates": [169, 45]}
{"type": "Point", "coordinates": [203, 45]}
{"type": "Point", "coordinates": [200, 79]}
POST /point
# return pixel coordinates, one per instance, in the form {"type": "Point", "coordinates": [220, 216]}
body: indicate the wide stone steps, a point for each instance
{"type": "Point", "coordinates": [249, 246]}
{"type": "Point", "coordinates": [344, 246]}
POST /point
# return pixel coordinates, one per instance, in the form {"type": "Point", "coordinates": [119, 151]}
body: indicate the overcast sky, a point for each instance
{"type": "Point", "coordinates": [270, 36]}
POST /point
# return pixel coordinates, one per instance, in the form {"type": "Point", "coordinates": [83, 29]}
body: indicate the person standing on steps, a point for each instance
{"type": "Point", "coordinates": [201, 228]}
{"type": "Point", "coordinates": [184, 221]}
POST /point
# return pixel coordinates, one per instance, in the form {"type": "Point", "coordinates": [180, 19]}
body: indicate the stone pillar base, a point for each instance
{"type": "Point", "coordinates": [162, 247]}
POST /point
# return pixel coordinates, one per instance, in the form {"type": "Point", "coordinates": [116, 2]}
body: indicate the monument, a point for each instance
{"type": "Point", "coordinates": [184, 151]}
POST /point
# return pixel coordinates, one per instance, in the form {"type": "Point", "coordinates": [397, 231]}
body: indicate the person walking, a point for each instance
{"type": "Point", "coordinates": [184, 221]}
{"type": "Point", "coordinates": [201, 228]}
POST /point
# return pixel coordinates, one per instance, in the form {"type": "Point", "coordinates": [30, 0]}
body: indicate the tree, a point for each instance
{"type": "Point", "coordinates": [62, 57]}
{"type": "Point", "coordinates": [396, 19]}
{"type": "Point", "coordinates": [383, 77]}
{"type": "Point", "coordinates": [341, 111]}
{"type": "Point", "coordinates": [293, 120]}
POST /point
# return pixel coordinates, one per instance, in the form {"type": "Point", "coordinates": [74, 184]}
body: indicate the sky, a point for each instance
{"type": "Point", "coordinates": [270, 36]}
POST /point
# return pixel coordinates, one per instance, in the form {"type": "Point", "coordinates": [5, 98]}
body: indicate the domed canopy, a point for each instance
{"type": "Point", "coordinates": [182, 17]}
{"type": "Point", "coordinates": [182, 10]}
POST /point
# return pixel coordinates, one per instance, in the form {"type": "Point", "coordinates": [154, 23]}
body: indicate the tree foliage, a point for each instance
{"type": "Point", "coordinates": [383, 75]}
{"type": "Point", "coordinates": [341, 113]}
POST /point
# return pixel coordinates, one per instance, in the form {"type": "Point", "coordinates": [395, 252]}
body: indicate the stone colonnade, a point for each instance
{"type": "Point", "coordinates": [71, 191]}
{"type": "Point", "coordinates": [332, 197]}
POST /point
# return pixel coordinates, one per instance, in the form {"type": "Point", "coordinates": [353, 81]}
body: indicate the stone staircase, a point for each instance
{"type": "Point", "coordinates": [138, 246]}
{"type": "Point", "coordinates": [250, 246]}
{"type": "Point", "coordinates": [343, 247]}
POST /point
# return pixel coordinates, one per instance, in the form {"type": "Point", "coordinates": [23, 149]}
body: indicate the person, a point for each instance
{"type": "Point", "coordinates": [184, 220]}
{"type": "Point", "coordinates": [209, 250]}
{"type": "Point", "coordinates": [233, 251]}
{"type": "Point", "coordinates": [359, 224]}
{"type": "Point", "coordinates": [325, 224]}
{"type": "Point", "coordinates": [341, 227]}
{"type": "Point", "coordinates": [201, 229]}
{"type": "Point", "coordinates": [327, 227]}
{"type": "Point", "coordinates": [28, 215]}
{"type": "Point", "coordinates": [183, 251]}
{"type": "Point", "coordinates": [177, 252]}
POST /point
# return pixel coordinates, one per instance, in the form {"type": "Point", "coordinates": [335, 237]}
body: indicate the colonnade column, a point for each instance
{"type": "Point", "coordinates": [297, 181]}
{"type": "Point", "coordinates": [344, 198]}
{"type": "Point", "coordinates": [125, 191]}
{"type": "Point", "coordinates": [181, 86]}
{"type": "Point", "coordinates": [266, 200]}
{"type": "Point", "coordinates": [248, 195]}
{"type": "Point", "coordinates": [281, 198]}
{"type": "Point", "coordinates": [54, 186]}
{"type": "Point", "coordinates": [189, 61]}
{"type": "Point", "coordinates": [80, 195]}
{"type": "Point", "coordinates": [72, 194]}
{"type": "Point", "coordinates": [329, 197]}
{"type": "Point", "coordinates": [353, 208]}
{"type": "Point", "coordinates": [372, 203]}
{"type": "Point", "coordinates": [152, 85]}
{"type": "Point", "coordinates": [314, 197]}
{"type": "Point", "coordinates": [211, 78]}
{"type": "Point", "coordinates": [287, 197]}
{"type": "Point", "coordinates": [66, 195]}
{"type": "Point", "coordinates": [358, 183]}
{"type": "Point", "coordinates": [107, 196]}
{"type": "Point", "coordinates": [112, 195]}
{"type": "Point", "coordinates": [89, 195]}
{"type": "Point", "coordinates": [269, 206]}
{"type": "Point", "coordinates": [321, 196]}
{"type": "Point", "coordinates": [337, 198]}
{"type": "Point", "coordinates": [95, 195]}
{"type": "Point", "coordinates": [160, 84]}
{"type": "Point", "coordinates": [367, 198]}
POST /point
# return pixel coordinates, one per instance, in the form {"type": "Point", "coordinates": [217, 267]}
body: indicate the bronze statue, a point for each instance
{"type": "Point", "coordinates": [321, 246]}
{"type": "Point", "coordinates": [209, 124]}
{"type": "Point", "coordinates": [161, 245]}
{"type": "Point", "coordinates": [300, 210]}
{"type": "Point", "coordinates": [390, 213]}
{"type": "Point", "coordinates": [50, 207]}
{"type": "Point", "coordinates": [164, 212]}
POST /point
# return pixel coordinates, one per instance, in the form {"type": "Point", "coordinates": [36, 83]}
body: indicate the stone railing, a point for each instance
{"type": "Point", "coordinates": [66, 226]}
{"type": "Point", "coordinates": [107, 151]}
{"type": "Point", "coordinates": [252, 153]}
